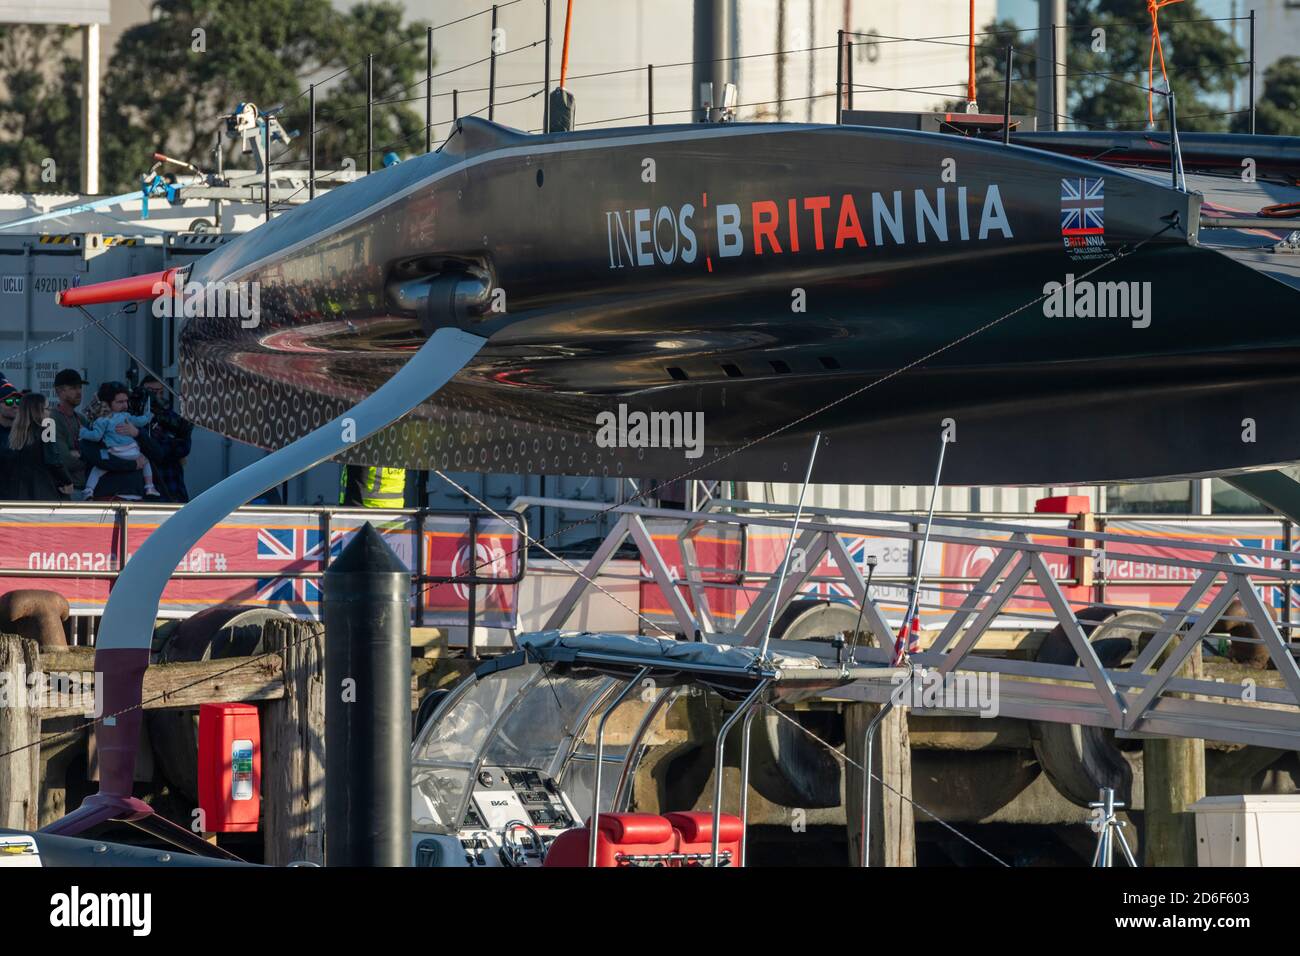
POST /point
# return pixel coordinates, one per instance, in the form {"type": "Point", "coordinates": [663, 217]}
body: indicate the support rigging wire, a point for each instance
{"type": "Point", "coordinates": [840, 755]}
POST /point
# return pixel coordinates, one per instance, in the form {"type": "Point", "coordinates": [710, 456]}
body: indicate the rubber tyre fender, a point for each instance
{"type": "Point", "coordinates": [788, 767]}
{"type": "Point", "coordinates": [1079, 760]}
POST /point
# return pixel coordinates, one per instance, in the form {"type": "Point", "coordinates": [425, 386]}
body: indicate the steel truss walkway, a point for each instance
{"type": "Point", "coordinates": [1143, 700]}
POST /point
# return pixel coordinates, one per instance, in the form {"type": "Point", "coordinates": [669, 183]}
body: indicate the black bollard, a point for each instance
{"type": "Point", "coordinates": [367, 602]}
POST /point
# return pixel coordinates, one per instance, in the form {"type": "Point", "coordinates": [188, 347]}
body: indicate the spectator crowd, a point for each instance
{"type": "Point", "coordinates": [124, 444]}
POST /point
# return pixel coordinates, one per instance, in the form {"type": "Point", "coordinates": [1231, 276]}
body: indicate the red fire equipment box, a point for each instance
{"type": "Point", "coordinates": [1063, 504]}
{"type": "Point", "coordinates": [230, 767]}
{"type": "Point", "coordinates": [1081, 569]}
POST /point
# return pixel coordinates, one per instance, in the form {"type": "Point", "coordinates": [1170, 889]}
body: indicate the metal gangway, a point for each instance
{"type": "Point", "coordinates": [1144, 699]}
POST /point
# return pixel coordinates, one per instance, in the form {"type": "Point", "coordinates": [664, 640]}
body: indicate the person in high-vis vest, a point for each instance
{"type": "Point", "coordinates": [369, 486]}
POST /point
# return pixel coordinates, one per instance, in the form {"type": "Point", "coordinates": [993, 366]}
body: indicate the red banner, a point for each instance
{"type": "Point", "coordinates": [257, 558]}
{"type": "Point", "coordinates": [1131, 580]}
{"type": "Point", "coordinates": [734, 557]}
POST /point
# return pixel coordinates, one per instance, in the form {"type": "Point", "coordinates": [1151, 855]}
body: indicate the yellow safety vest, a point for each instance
{"type": "Point", "coordinates": [383, 487]}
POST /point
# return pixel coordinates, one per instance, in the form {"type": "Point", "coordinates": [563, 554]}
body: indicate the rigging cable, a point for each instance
{"type": "Point", "coordinates": [1154, 7]}
{"type": "Point", "coordinates": [840, 755]}
{"type": "Point", "coordinates": [971, 105]}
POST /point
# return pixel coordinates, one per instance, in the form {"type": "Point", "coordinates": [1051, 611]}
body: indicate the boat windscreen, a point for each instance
{"type": "Point", "coordinates": [444, 755]}
{"type": "Point", "coordinates": [457, 736]}
{"type": "Point", "coordinates": [521, 717]}
{"type": "Point", "coordinates": [538, 732]}
{"type": "Point", "coordinates": [622, 731]}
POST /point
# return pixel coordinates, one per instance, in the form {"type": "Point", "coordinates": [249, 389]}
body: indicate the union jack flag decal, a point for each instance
{"type": "Point", "coordinates": [836, 590]}
{"type": "Point", "coordinates": [304, 547]}
{"type": "Point", "coordinates": [1271, 594]}
{"type": "Point", "coordinates": [1083, 207]}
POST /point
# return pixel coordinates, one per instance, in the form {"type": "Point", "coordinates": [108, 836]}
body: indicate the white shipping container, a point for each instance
{"type": "Point", "coordinates": [985, 500]}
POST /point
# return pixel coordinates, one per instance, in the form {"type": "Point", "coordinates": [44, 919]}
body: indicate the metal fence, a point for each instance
{"type": "Point", "coordinates": [268, 556]}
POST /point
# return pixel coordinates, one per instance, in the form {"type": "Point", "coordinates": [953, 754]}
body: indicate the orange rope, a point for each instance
{"type": "Point", "coordinates": [1153, 7]}
{"type": "Point", "coordinates": [970, 83]}
{"type": "Point", "coordinates": [564, 57]}
{"type": "Point", "coordinates": [1281, 210]}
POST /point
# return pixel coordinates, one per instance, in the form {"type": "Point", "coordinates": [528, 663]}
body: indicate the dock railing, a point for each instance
{"type": "Point", "coordinates": [1204, 577]}
{"type": "Point", "coordinates": [464, 564]}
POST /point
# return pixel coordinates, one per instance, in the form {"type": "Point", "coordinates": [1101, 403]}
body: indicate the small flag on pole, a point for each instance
{"type": "Point", "coordinates": [908, 643]}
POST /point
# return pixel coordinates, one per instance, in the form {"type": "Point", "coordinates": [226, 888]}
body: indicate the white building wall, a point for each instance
{"type": "Point", "coordinates": [912, 497]}
{"type": "Point", "coordinates": [1277, 34]}
{"type": "Point", "coordinates": [619, 38]}
{"type": "Point", "coordinates": [882, 65]}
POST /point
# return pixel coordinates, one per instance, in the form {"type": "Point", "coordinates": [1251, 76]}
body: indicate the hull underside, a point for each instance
{"type": "Point", "coordinates": [889, 344]}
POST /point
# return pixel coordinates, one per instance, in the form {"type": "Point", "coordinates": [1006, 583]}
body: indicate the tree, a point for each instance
{"type": "Point", "coordinates": [40, 112]}
{"type": "Point", "coordinates": [398, 76]}
{"type": "Point", "coordinates": [1107, 70]}
{"type": "Point", "coordinates": [172, 81]}
{"type": "Point", "coordinates": [1278, 109]}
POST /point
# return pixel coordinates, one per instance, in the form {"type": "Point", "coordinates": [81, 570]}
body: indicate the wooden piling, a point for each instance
{"type": "Point", "coordinates": [293, 748]}
{"type": "Point", "coordinates": [20, 735]}
{"type": "Point", "coordinates": [893, 828]}
{"type": "Point", "coordinates": [1173, 778]}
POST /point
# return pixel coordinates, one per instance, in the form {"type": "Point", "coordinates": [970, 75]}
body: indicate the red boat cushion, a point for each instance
{"type": "Point", "coordinates": [620, 833]}
{"type": "Point", "coordinates": [696, 826]}
{"type": "Point", "coordinates": [568, 849]}
{"type": "Point", "coordinates": [695, 835]}
{"type": "Point", "coordinates": [625, 828]}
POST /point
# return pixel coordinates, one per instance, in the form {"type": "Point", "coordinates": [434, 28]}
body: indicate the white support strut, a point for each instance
{"type": "Point", "coordinates": [129, 615]}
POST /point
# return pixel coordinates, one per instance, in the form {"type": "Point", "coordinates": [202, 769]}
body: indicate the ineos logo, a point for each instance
{"type": "Point", "coordinates": [640, 237]}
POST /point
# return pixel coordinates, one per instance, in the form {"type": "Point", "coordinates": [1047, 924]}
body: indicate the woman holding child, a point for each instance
{"type": "Point", "coordinates": [114, 434]}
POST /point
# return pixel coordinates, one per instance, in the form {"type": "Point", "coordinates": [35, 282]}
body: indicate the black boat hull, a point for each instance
{"type": "Point", "coordinates": [773, 280]}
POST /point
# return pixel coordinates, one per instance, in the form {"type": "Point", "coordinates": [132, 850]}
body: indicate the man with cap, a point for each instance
{"type": "Point", "coordinates": [68, 422]}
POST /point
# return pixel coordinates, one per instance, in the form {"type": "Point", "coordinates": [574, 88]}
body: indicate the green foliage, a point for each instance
{"type": "Point", "coordinates": [260, 51]}
{"type": "Point", "coordinates": [1278, 109]}
{"type": "Point", "coordinates": [398, 75]}
{"type": "Point", "coordinates": [1107, 72]}
{"type": "Point", "coordinates": [40, 111]}
{"type": "Point", "coordinates": [172, 80]}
